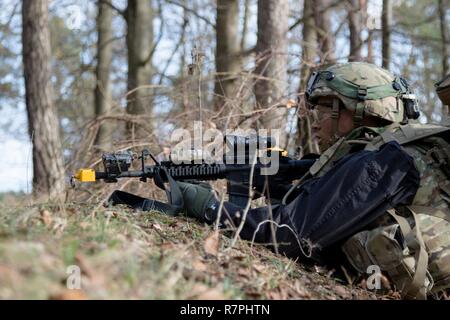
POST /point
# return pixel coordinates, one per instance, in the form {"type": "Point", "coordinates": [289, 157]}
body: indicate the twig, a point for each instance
{"type": "Point", "coordinates": [269, 207]}
{"type": "Point", "coordinates": [119, 11]}
{"type": "Point", "coordinates": [282, 226]}
{"type": "Point", "coordinates": [247, 207]}
{"type": "Point", "coordinates": [195, 13]}
{"type": "Point", "coordinates": [219, 213]}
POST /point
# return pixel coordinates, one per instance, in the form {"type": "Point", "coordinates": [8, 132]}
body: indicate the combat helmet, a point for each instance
{"type": "Point", "coordinates": [365, 89]}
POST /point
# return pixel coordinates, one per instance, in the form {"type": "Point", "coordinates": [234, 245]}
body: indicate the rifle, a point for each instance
{"type": "Point", "coordinates": [235, 168]}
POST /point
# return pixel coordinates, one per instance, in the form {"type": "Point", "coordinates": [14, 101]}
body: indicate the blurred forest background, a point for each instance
{"type": "Point", "coordinates": [81, 77]}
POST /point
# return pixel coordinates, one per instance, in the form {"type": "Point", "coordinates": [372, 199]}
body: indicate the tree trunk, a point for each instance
{"type": "Point", "coordinates": [386, 26]}
{"type": "Point", "coordinates": [325, 37]}
{"type": "Point", "coordinates": [370, 46]}
{"type": "Point", "coordinates": [309, 47]}
{"type": "Point", "coordinates": [139, 44]}
{"type": "Point", "coordinates": [102, 88]}
{"type": "Point", "coordinates": [355, 27]}
{"type": "Point", "coordinates": [245, 25]}
{"type": "Point", "coordinates": [43, 126]}
{"type": "Point", "coordinates": [443, 4]}
{"type": "Point", "coordinates": [271, 64]}
{"type": "Point", "coordinates": [227, 54]}
{"type": "Point", "coordinates": [310, 16]}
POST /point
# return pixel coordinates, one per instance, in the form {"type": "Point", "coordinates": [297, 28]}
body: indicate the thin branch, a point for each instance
{"type": "Point", "coordinates": [122, 12]}
{"type": "Point", "coordinates": [303, 18]}
{"type": "Point", "coordinates": [7, 24]}
{"type": "Point", "coordinates": [249, 202]}
{"type": "Point", "coordinates": [183, 33]}
{"type": "Point", "coordinates": [160, 35]}
{"type": "Point", "coordinates": [195, 13]}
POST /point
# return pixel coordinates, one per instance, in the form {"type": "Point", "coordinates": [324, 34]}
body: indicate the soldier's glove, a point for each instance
{"type": "Point", "coordinates": [199, 201]}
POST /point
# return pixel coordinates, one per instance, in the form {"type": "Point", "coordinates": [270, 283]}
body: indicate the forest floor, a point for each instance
{"type": "Point", "coordinates": [124, 254]}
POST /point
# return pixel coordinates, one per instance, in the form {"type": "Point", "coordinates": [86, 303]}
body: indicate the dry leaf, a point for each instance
{"type": "Point", "coordinates": [212, 243]}
{"type": "Point", "coordinates": [85, 267]}
{"type": "Point", "coordinates": [167, 246]}
{"type": "Point", "coordinates": [9, 275]}
{"type": "Point", "coordinates": [83, 225]}
{"type": "Point", "coordinates": [213, 294]}
{"type": "Point", "coordinates": [277, 294]}
{"type": "Point", "coordinates": [340, 290]}
{"type": "Point", "coordinates": [199, 266]}
{"type": "Point", "coordinates": [46, 217]}
{"type": "Point", "coordinates": [259, 267]}
{"type": "Point", "coordinates": [202, 292]}
{"type": "Point", "coordinates": [300, 291]}
{"type": "Point", "coordinates": [59, 225]}
{"type": "Point", "coordinates": [291, 103]}
{"type": "Point", "coordinates": [320, 269]}
{"type": "Point", "coordinates": [157, 227]}
{"type": "Point", "coordinates": [243, 272]}
{"type": "Point", "coordinates": [69, 295]}
{"type": "Point", "coordinates": [385, 283]}
{"type": "Point", "coordinates": [363, 284]}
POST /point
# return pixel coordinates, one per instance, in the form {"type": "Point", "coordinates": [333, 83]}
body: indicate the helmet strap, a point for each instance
{"type": "Point", "coordinates": [359, 114]}
{"type": "Point", "coordinates": [335, 116]}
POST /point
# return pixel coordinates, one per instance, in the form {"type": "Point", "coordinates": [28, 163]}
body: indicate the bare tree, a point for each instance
{"type": "Point", "coordinates": [43, 126]}
{"type": "Point", "coordinates": [309, 43]}
{"type": "Point", "coordinates": [325, 37]}
{"type": "Point", "coordinates": [386, 26]}
{"type": "Point", "coordinates": [355, 18]}
{"type": "Point", "coordinates": [227, 52]}
{"type": "Point", "coordinates": [271, 63]}
{"type": "Point", "coordinates": [370, 34]}
{"type": "Point", "coordinates": [245, 21]}
{"type": "Point", "coordinates": [139, 18]}
{"type": "Point", "coordinates": [443, 4]}
{"type": "Point", "coordinates": [102, 72]}
{"type": "Point", "coordinates": [309, 49]}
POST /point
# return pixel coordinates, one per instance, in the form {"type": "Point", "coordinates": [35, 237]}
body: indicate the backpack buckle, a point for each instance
{"type": "Point", "coordinates": [311, 82]}
{"type": "Point", "coordinates": [362, 92]}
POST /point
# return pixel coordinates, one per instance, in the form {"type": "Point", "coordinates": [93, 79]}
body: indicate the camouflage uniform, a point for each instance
{"type": "Point", "coordinates": [411, 244]}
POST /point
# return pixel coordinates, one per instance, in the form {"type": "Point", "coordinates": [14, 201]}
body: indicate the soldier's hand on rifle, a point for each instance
{"type": "Point", "coordinates": [199, 201]}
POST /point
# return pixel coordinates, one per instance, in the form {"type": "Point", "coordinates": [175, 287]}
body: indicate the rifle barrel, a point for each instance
{"type": "Point", "coordinates": [202, 171]}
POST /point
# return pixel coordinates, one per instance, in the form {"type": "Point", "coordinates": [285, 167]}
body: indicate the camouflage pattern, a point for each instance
{"type": "Point", "coordinates": [434, 192]}
{"type": "Point", "coordinates": [392, 241]}
{"type": "Point", "coordinates": [363, 74]}
{"type": "Point", "coordinates": [380, 243]}
{"type": "Point", "coordinates": [380, 247]}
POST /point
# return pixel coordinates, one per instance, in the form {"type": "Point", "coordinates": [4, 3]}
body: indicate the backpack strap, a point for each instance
{"type": "Point", "coordinates": [175, 204]}
{"type": "Point", "coordinates": [416, 289]}
{"type": "Point", "coordinates": [404, 134]}
{"type": "Point", "coordinates": [358, 116]}
{"type": "Point", "coordinates": [325, 157]}
{"type": "Point", "coordinates": [335, 115]}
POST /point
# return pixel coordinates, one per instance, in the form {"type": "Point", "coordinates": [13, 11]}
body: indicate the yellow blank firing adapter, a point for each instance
{"type": "Point", "coordinates": [85, 175]}
{"type": "Point", "coordinates": [283, 152]}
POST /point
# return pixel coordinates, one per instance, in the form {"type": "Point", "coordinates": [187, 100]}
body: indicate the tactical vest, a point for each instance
{"type": "Point", "coordinates": [411, 244]}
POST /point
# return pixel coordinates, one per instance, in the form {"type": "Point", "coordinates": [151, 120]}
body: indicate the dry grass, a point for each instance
{"type": "Point", "coordinates": [124, 254]}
